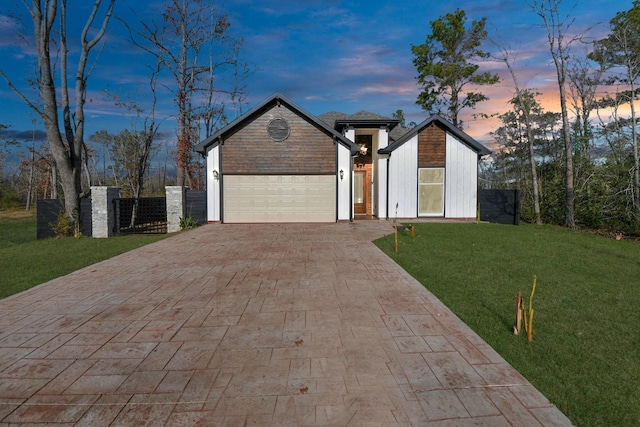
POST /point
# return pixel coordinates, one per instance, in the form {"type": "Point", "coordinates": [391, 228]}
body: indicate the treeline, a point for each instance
{"type": "Point", "coordinates": [575, 166]}
{"type": "Point", "coordinates": [595, 157]}
{"type": "Point", "coordinates": [197, 60]}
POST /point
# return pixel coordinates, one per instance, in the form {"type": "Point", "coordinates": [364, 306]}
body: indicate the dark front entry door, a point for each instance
{"type": "Point", "coordinates": [360, 192]}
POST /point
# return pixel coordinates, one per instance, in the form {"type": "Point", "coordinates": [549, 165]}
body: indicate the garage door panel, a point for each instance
{"type": "Point", "coordinates": [286, 198]}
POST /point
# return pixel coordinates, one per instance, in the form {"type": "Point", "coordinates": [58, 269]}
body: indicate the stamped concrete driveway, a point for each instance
{"type": "Point", "coordinates": [283, 325]}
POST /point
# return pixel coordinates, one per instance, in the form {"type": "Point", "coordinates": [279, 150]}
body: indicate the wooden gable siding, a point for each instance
{"type": "Point", "coordinates": [432, 147]}
{"type": "Point", "coordinates": [307, 150]}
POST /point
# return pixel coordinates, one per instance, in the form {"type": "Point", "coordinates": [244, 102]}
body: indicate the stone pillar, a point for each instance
{"type": "Point", "coordinates": [103, 215]}
{"type": "Point", "coordinates": [176, 204]}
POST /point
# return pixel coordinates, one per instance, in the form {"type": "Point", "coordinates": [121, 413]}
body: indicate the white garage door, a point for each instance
{"type": "Point", "coordinates": [280, 198]}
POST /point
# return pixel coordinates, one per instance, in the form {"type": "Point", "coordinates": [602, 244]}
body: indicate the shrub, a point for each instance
{"type": "Point", "coordinates": [63, 227]}
{"type": "Point", "coordinates": [188, 223]}
{"type": "Point", "coordinates": [8, 199]}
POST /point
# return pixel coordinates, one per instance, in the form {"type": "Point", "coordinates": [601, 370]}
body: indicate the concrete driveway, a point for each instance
{"type": "Point", "coordinates": [283, 325]}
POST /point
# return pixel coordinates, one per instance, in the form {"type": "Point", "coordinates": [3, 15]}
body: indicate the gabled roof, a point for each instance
{"type": "Point", "coordinates": [398, 132]}
{"type": "Point", "coordinates": [361, 119]}
{"type": "Point", "coordinates": [331, 117]}
{"type": "Point", "coordinates": [275, 99]}
{"type": "Point", "coordinates": [448, 126]}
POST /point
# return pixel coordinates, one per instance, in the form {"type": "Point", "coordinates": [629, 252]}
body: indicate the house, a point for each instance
{"type": "Point", "coordinates": [279, 163]}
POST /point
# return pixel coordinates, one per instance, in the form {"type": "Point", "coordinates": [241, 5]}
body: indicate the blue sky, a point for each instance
{"type": "Point", "coordinates": [323, 54]}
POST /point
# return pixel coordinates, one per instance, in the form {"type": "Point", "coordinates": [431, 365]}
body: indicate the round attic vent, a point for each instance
{"type": "Point", "coordinates": [278, 129]}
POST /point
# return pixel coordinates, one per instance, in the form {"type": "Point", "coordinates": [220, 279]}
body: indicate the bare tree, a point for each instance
{"type": "Point", "coordinates": [193, 43]}
{"type": "Point", "coordinates": [524, 105]}
{"type": "Point", "coordinates": [621, 50]}
{"type": "Point", "coordinates": [66, 136]}
{"type": "Point", "coordinates": [583, 82]}
{"type": "Point", "coordinates": [557, 27]}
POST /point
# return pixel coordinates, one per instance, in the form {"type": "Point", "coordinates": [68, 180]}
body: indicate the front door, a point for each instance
{"type": "Point", "coordinates": [360, 193]}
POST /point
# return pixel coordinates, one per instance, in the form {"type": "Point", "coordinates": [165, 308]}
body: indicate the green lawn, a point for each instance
{"type": "Point", "coordinates": [26, 262]}
{"type": "Point", "coordinates": [585, 354]}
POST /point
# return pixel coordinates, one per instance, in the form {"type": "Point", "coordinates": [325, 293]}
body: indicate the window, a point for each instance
{"type": "Point", "coordinates": [431, 192]}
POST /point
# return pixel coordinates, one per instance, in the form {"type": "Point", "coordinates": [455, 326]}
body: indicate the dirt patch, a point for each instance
{"type": "Point", "coordinates": [17, 213]}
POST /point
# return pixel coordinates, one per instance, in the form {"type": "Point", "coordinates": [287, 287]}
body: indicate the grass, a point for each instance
{"type": "Point", "coordinates": [585, 354]}
{"type": "Point", "coordinates": [26, 261]}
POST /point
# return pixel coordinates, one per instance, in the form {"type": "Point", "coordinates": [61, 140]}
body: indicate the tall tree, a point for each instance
{"type": "Point", "coordinates": [131, 153]}
{"type": "Point", "coordinates": [193, 43]}
{"type": "Point", "coordinates": [621, 50]}
{"type": "Point", "coordinates": [557, 27]}
{"type": "Point", "coordinates": [399, 115]}
{"type": "Point", "coordinates": [583, 82]}
{"type": "Point", "coordinates": [525, 105]}
{"type": "Point", "coordinates": [65, 135]}
{"type": "Point", "coordinates": [445, 65]}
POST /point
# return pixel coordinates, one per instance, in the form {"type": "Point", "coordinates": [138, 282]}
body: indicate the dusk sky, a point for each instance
{"type": "Point", "coordinates": [324, 55]}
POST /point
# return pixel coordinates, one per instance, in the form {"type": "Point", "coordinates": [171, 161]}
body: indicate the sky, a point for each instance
{"type": "Point", "coordinates": [324, 55]}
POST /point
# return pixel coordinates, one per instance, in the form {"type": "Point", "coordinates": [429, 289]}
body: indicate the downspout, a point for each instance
{"type": "Point", "coordinates": [478, 211]}
{"type": "Point", "coordinates": [388, 158]}
{"type": "Point", "coordinates": [220, 182]}
{"type": "Point", "coordinates": [351, 216]}
{"type": "Point", "coordinates": [335, 143]}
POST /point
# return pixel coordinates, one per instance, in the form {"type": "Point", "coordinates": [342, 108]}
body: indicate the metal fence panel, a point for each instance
{"type": "Point", "coordinates": [147, 215]}
{"type": "Point", "coordinates": [500, 206]}
{"type": "Point", "coordinates": [48, 210]}
{"type": "Point", "coordinates": [197, 205]}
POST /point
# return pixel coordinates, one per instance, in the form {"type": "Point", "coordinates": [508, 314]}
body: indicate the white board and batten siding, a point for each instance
{"type": "Point", "coordinates": [403, 180]}
{"type": "Point", "coordinates": [461, 179]}
{"type": "Point", "coordinates": [279, 198]}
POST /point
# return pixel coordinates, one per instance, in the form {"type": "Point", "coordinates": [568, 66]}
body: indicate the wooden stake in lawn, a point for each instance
{"type": "Point", "coordinates": [519, 311]}
{"type": "Point", "coordinates": [528, 323]}
{"type": "Point", "coordinates": [521, 315]}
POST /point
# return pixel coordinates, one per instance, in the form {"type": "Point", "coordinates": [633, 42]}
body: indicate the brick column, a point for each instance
{"type": "Point", "coordinates": [175, 207]}
{"type": "Point", "coordinates": [103, 216]}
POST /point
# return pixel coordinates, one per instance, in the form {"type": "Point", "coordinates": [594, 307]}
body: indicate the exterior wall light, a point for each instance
{"type": "Point", "coordinates": [341, 174]}
{"type": "Point", "coordinates": [216, 175]}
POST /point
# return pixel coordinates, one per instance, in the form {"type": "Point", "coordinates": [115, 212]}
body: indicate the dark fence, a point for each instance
{"type": "Point", "coordinates": [48, 211]}
{"type": "Point", "coordinates": [196, 208]}
{"type": "Point", "coordinates": [500, 206]}
{"type": "Point", "coordinates": [150, 215]}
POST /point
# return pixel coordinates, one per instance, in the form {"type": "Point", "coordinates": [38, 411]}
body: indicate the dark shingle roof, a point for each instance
{"type": "Point", "coordinates": [448, 126]}
{"type": "Point", "coordinates": [398, 132]}
{"type": "Point", "coordinates": [368, 116]}
{"type": "Point", "coordinates": [331, 117]}
{"type": "Point", "coordinates": [338, 120]}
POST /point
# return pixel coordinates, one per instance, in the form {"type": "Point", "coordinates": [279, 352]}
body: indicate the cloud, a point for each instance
{"type": "Point", "coordinates": [23, 135]}
{"type": "Point", "coordinates": [10, 30]}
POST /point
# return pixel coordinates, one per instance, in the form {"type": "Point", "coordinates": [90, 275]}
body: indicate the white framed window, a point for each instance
{"type": "Point", "coordinates": [431, 192]}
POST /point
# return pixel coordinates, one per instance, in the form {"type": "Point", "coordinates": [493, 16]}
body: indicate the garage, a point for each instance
{"type": "Point", "coordinates": [279, 198]}
{"type": "Point", "coordinates": [278, 163]}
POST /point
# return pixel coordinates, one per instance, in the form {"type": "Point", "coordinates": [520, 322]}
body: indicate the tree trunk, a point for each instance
{"type": "Point", "coordinates": [634, 142]}
{"type": "Point", "coordinates": [549, 11]}
{"type": "Point", "coordinates": [534, 174]}
{"type": "Point", "coordinates": [569, 219]}
{"type": "Point", "coordinates": [54, 180]}
{"type": "Point", "coordinates": [66, 147]}
{"type": "Point", "coordinates": [530, 140]}
{"type": "Point", "coordinates": [31, 168]}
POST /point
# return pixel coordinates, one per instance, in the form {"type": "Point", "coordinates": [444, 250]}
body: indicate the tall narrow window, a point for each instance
{"type": "Point", "coordinates": [431, 192]}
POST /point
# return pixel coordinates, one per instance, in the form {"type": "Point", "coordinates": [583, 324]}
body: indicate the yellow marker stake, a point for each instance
{"type": "Point", "coordinates": [529, 324]}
